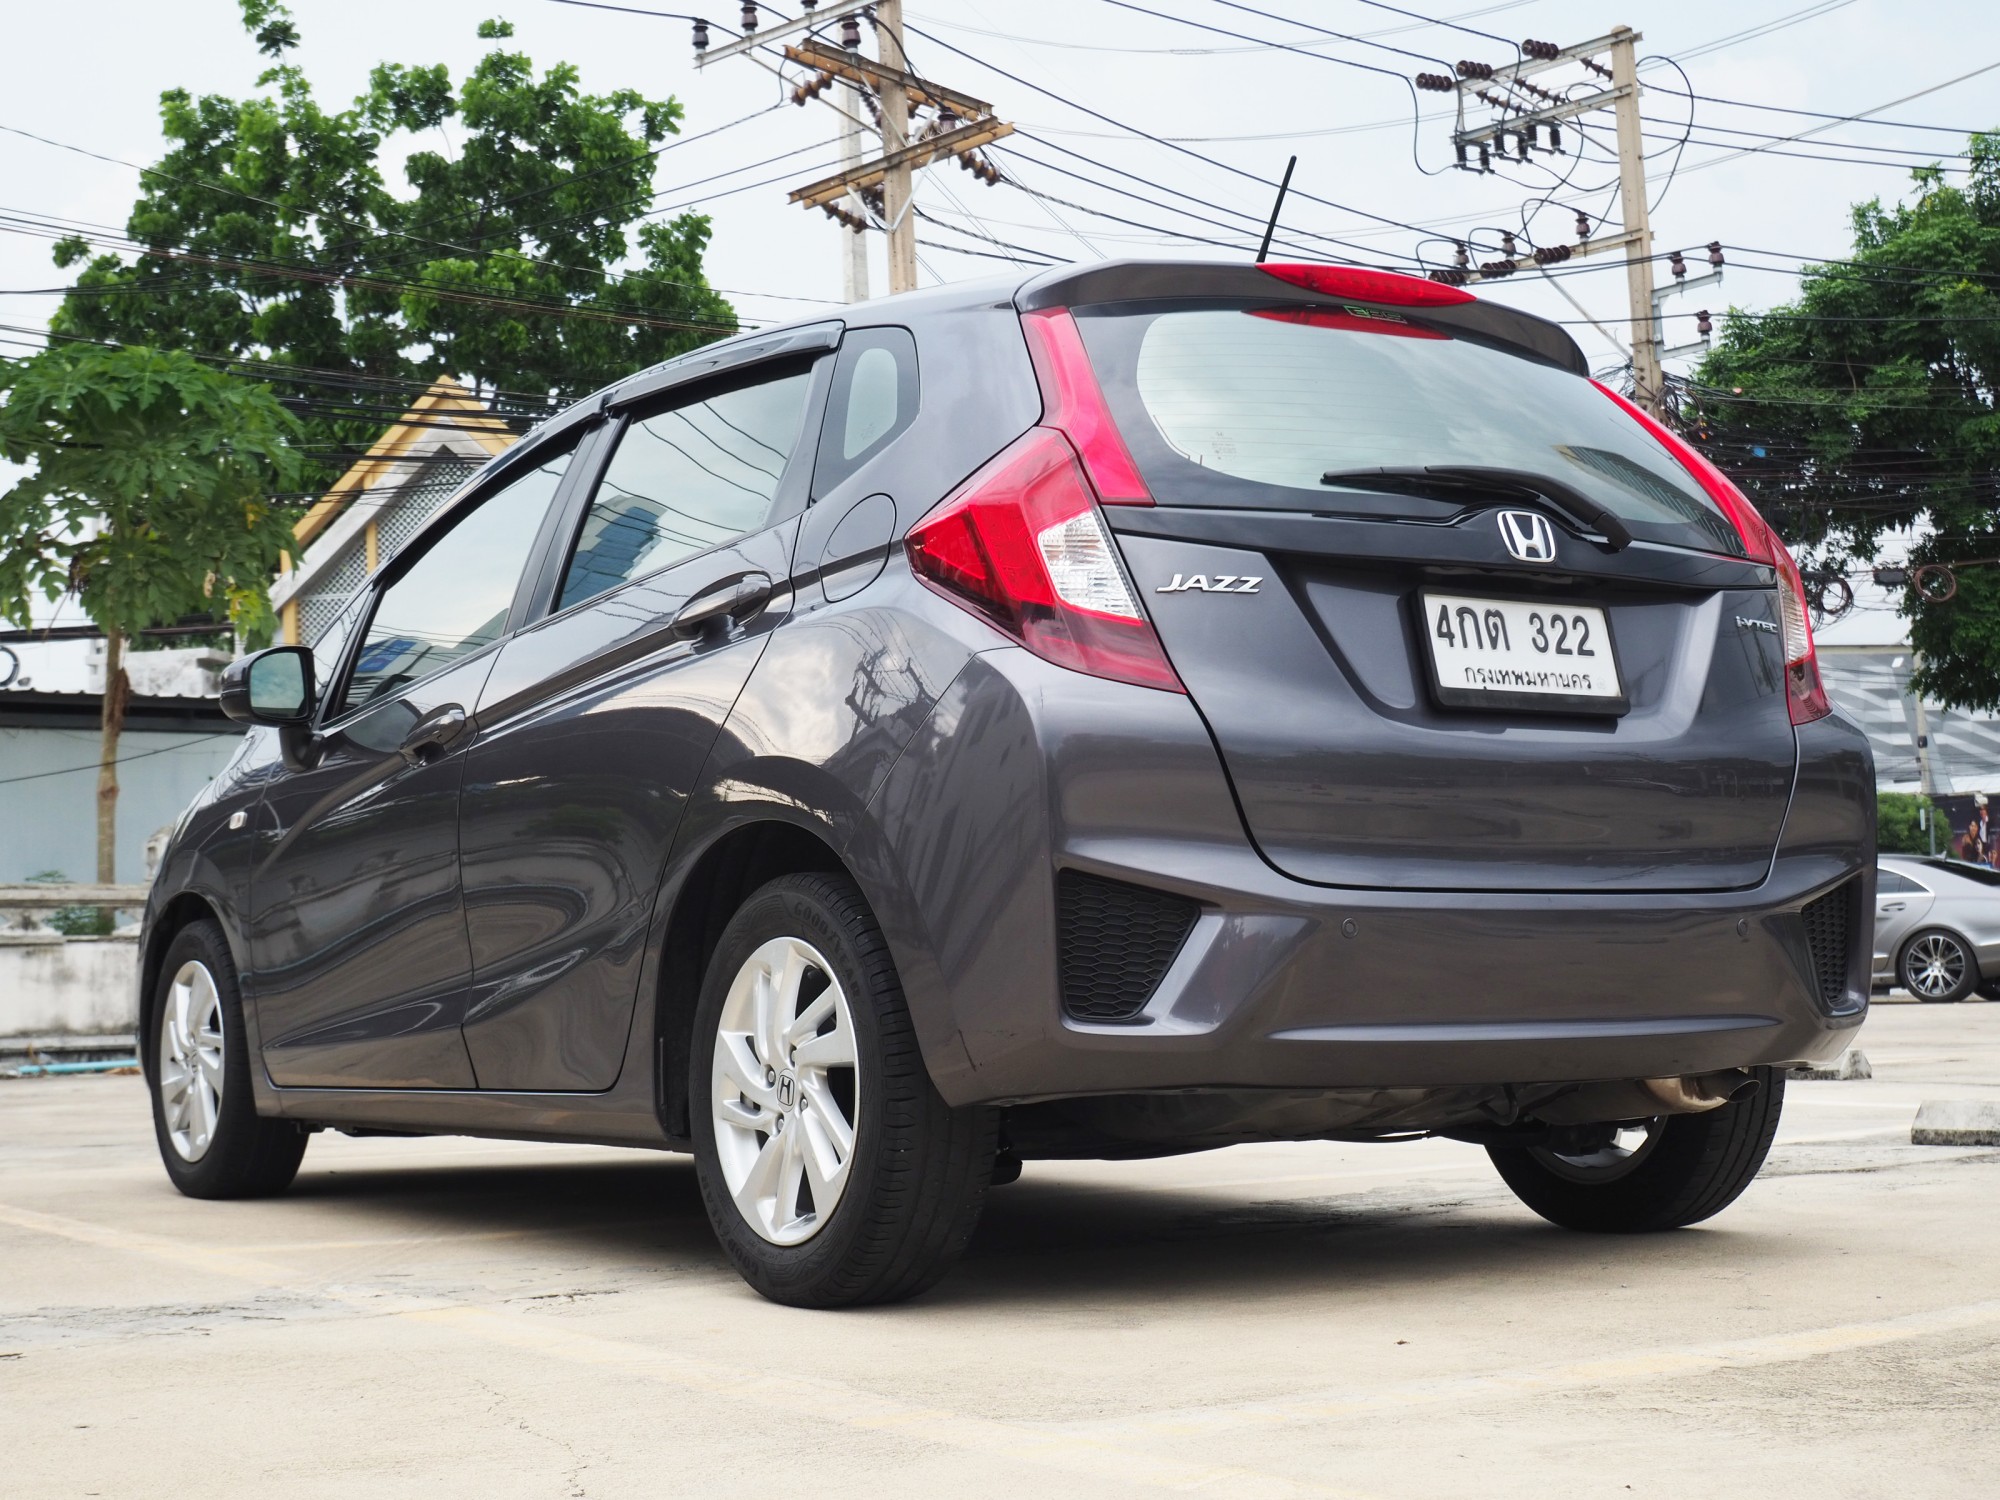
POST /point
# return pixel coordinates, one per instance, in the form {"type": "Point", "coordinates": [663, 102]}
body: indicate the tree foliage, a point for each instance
{"type": "Point", "coordinates": [518, 252]}
{"type": "Point", "coordinates": [147, 495]}
{"type": "Point", "coordinates": [1898, 824]}
{"type": "Point", "coordinates": [1867, 406]}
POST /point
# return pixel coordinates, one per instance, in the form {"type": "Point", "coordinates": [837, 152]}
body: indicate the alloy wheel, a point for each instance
{"type": "Point", "coordinates": [1934, 966]}
{"type": "Point", "coordinates": [1621, 1151]}
{"type": "Point", "coordinates": [191, 1060]}
{"type": "Point", "coordinates": [785, 1091]}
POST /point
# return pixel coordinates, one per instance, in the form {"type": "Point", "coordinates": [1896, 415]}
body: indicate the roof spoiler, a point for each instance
{"type": "Point", "coordinates": [1154, 280]}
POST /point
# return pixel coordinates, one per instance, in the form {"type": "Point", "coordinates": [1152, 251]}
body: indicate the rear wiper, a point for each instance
{"type": "Point", "coordinates": [1443, 480]}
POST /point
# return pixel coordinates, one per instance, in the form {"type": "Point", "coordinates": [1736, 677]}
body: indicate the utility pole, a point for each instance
{"type": "Point", "coordinates": [876, 194]}
{"type": "Point", "coordinates": [1632, 204]}
{"type": "Point", "coordinates": [896, 208]}
{"type": "Point", "coordinates": [854, 246]}
{"type": "Point", "coordinates": [1532, 117]}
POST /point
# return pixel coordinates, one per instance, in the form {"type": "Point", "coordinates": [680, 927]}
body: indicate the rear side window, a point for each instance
{"type": "Point", "coordinates": [1889, 883]}
{"type": "Point", "coordinates": [687, 477]}
{"type": "Point", "coordinates": [873, 399]}
{"type": "Point", "coordinates": [1255, 405]}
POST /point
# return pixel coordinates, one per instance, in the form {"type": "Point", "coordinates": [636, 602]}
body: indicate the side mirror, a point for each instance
{"type": "Point", "coordinates": [270, 687]}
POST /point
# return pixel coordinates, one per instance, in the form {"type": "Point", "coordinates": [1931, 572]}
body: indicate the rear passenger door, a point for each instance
{"type": "Point", "coordinates": [597, 720]}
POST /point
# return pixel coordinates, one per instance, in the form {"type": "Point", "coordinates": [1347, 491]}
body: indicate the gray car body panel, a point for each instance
{"type": "Point", "coordinates": [952, 773]}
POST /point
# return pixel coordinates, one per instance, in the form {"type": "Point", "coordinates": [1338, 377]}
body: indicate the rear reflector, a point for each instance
{"type": "Point", "coordinates": [1385, 287]}
{"type": "Point", "coordinates": [1022, 545]}
{"type": "Point", "coordinates": [1805, 692]}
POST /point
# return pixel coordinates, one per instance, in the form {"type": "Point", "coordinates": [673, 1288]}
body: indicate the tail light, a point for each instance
{"type": "Point", "coordinates": [1022, 543]}
{"type": "Point", "coordinates": [1386, 287]}
{"type": "Point", "coordinates": [1805, 691]}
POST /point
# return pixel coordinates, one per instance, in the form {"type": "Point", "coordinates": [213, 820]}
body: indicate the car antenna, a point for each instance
{"type": "Point", "coordinates": [1264, 250]}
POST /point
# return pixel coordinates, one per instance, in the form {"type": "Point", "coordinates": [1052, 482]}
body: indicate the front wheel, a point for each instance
{"type": "Point", "coordinates": [832, 1171]}
{"type": "Point", "coordinates": [1662, 1173]}
{"type": "Point", "coordinates": [1937, 967]}
{"type": "Point", "coordinates": [212, 1141]}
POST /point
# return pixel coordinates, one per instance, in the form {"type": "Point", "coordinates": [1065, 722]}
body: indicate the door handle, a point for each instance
{"type": "Point", "coordinates": [1892, 905]}
{"type": "Point", "coordinates": [432, 735]}
{"type": "Point", "coordinates": [736, 598]}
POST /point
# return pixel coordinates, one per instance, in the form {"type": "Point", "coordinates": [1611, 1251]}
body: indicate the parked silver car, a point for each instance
{"type": "Point", "coordinates": [1937, 927]}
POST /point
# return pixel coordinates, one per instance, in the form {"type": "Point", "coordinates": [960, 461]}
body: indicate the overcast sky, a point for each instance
{"type": "Point", "coordinates": [91, 76]}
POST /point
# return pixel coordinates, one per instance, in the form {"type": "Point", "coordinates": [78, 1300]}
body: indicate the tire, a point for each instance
{"type": "Point", "coordinates": [908, 1187]}
{"type": "Point", "coordinates": [1689, 1168]}
{"type": "Point", "coordinates": [1937, 966]}
{"type": "Point", "coordinates": [212, 1141]}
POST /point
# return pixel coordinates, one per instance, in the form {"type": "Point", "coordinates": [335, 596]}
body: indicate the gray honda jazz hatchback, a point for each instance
{"type": "Point", "coordinates": [1141, 709]}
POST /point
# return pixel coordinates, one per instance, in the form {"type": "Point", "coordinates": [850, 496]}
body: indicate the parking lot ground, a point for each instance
{"type": "Point", "coordinates": [460, 1318]}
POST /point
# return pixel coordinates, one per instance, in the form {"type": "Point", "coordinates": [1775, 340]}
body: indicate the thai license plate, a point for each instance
{"type": "Point", "coordinates": [1536, 654]}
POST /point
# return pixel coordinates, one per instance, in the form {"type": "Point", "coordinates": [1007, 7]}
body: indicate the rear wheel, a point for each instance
{"type": "Point", "coordinates": [1937, 966]}
{"type": "Point", "coordinates": [1648, 1175]}
{"type": "Point", "coordinates": [212, 1140]}
{"type": "Point", "coordinates": [832, 1171]}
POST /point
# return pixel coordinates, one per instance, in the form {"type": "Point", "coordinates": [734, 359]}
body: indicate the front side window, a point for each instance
{"type": "Point", "coordinates": [455, 598]}
{"type": "Point", "coordinates": [701, 472]}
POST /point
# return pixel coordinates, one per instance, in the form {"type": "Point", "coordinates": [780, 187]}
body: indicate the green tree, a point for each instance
{"type": "Point", "coordinates": [1868, 405]}
{"type": "Point", "coordinates": [1898, 820]}
{"type": "Point", "coordinates": [521, 255]}
{"type": "Point", "coordinates": [146, 499]}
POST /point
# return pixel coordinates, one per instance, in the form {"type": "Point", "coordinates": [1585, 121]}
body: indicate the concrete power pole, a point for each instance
{"type": "Point", "coordinates": [896, 186]}
{"type": "Point", "coordinates": [854, 249]}
{"type": "Point", "coordinates": [1646, 381]}
{"type": "Point", "coordinates": [875, 194]}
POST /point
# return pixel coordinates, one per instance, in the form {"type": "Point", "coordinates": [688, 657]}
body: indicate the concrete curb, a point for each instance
{"type": "Point", "coordinates": [1851, 1064]}
{"type": "Point", "coordinates": [1957, 1122]}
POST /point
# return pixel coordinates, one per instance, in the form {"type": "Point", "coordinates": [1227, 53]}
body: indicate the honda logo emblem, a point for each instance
{"type": "Point", "coordinates": [1528, 536]}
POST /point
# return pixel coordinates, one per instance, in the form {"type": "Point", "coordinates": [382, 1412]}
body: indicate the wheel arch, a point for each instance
{"type": "Point", "coordinates": [708, 892]}
{"type": "Point", "coordinates": [178, 914]}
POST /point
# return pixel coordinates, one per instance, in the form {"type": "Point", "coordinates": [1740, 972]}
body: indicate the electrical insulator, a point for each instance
{"type": "Point", "coordinates": [812, 88]}
{"type": "Point", "coordinates": [1702, 323]}
{"type": "Point", "coordinates": [1556, 139]}
{"type": "Point", "coordinates": [1678, 266]}
{"type": "Point", "coordinates": [1437, 83]}
{"type": "Point", "coordinates": [1507, 245]}
{"type": "Point", "coordinates": [1450, 276]}
{"type": "Point", "coordinates": [1541, 51]}
{"type": "Point", "coordinates": [1595, 66]}
{"type": "Point", "coordinates": [749, 17]}
{"type": "Point", "coordinates": [1493, 270]}
{"type": "Point", "coordinates": [1582, 225]}
{"type": "Point", "coordinates": [1551, 255]}
{"type": "Point", "coordinates": [850, 33]}
{"type": "Point", "coordinates": [947, 119]}
{"type": "Point", "coordinates": [1485, 158]}
{"type": "Point", "coordinates": [1521, 145]}
{"type": "Point", "coordinates": [700, 37]}
{"type": "Point", "coordinates": [1715, 253]}
{"type": "Point", "coordinates": [808, 6]}
{"type": "Point", "coordinates": [1474, 69]}
{"type": "Point", "coordinates": [1463, 257]}
{"type": "Point", "coordinates": [1460, 145]}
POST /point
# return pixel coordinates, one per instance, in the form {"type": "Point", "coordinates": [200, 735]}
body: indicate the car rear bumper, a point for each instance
{"type": "Point", "coordinates": [1026, 769]}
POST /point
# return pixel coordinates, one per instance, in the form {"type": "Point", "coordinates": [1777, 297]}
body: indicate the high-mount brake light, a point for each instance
{"type": "Point", "coordinates": [1022, 544]}
{"type": "Point", "coordinates": [1805, 690]}
{"type": "Point", "coordinates": [1386, 287]}
{"type": "Point", "coordinates": [1073, 403]}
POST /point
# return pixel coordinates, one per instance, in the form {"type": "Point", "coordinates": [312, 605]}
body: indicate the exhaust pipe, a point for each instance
{"type": "Point", "coordinates": [1643, 1098]}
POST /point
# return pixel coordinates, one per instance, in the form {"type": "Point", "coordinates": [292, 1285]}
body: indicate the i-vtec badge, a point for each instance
{"type": "Point", "coordinates": [1744, 622]}
{"type": "Point", "coordinates": [1221, 583]}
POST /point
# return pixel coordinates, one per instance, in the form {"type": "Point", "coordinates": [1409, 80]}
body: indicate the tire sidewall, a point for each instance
{"type": "Point", "coordinates": [215, 1174]}
{"type": "Point", "coordinates": [786, 909]}
{"type": "Point", "coordinates": [1970, 982]}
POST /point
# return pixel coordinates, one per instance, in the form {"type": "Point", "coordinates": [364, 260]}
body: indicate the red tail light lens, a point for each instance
{"type": "Point", "coordinates": [1073, 403]}
{"type": "Point", "coordinates": [1021, 543]}
{"type": "Point", "coordinates": [1385, 287]}
{"type": "Point", "coordinates": [1805, 691]}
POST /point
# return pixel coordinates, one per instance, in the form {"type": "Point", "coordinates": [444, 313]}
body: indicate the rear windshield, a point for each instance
{"type": "Point", "coordinates": [1254, 406]}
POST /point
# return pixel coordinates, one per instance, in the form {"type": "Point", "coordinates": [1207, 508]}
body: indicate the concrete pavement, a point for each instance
{"type": "Point", "coordinates": [458, 1318]}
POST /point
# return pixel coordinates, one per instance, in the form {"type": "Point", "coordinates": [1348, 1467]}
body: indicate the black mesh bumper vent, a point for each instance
{"type": "Point", "coordinates": [1115, 942]}
{"type": "Point", "coordinates": [1827, 920]}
